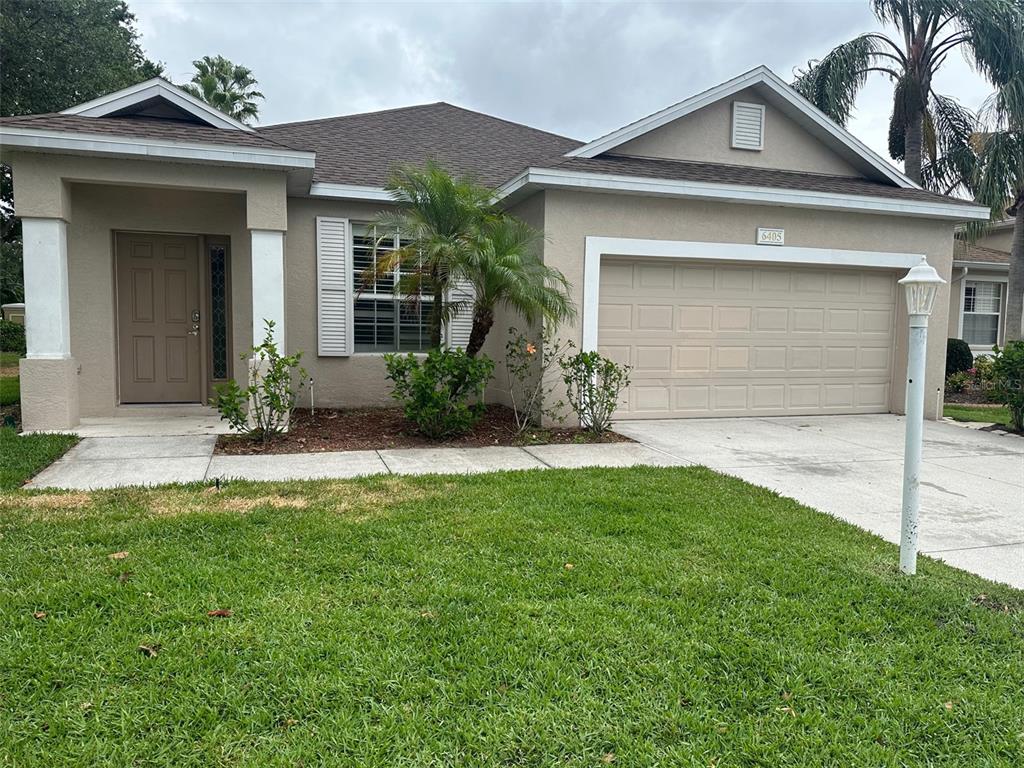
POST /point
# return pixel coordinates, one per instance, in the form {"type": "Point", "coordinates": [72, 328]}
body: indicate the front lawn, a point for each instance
{"type": "Point", "coordinates": [22, 456]}
{"type": "Point", "coordinates": [634, 617]}
{"type": "Point", "coordinates": [10, 390]}
{"type": "Point", "coordinates": [997, 414]}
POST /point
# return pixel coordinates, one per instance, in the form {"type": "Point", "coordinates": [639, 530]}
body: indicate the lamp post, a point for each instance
{"type": "Point", "coordinates": [921, 284]}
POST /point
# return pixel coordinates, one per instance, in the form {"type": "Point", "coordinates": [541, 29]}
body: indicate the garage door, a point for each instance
{"type": "Point", "coordinates": [719, 339]}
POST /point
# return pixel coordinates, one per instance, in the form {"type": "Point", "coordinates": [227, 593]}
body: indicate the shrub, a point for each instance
{"type": "Point", "coordinates": [12, 337]}
{"type": "Point", "coordinates": [957, 382]}
{"type": "Point", "coordinates": [442, 394]}
{"type": "Point", "coordinates": [262, 409]}
{"type": "Point", "coordinates": [593, 384]}
{"type": "Point", "coordinates": [982, 372]}
{"type": "Point", "coordinates": [958, 356]}
{"type": "Point", "coordinates": [1008, 381]}
{"type": "Point", "coordinates": [530, 387]}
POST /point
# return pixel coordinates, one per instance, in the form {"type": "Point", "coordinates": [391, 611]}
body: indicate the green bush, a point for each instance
{"type": "Point", "coordinates": [262, 409]}
{"type": "Point", "coordinates": [957, 382]}
{"type": "Point", "coordinates": [958, 356]}
{"type": "Point", "coordinates": [593, 384]}
{"type": "Point", "coordinates": [442, 394]}
{"type": "Point", "coordinates": [12, 337]}
{"type": "Point", "coordinates": [1008, 381]}
{"type": "Point", "coordinates": [982, 372]}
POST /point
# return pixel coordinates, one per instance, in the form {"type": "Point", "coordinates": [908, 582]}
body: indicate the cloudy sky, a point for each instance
{"type": "Point", "coordinates": [580, 69]}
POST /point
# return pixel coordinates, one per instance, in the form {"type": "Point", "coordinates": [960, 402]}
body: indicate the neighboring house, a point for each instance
{"type": "Point", "coordinates": [977, 297]}
{"type": "Point", "coordinates": [159, 234]}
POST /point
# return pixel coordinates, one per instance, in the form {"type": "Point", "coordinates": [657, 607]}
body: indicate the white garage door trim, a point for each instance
{"type": "Point", "coordinates": [596, 247]}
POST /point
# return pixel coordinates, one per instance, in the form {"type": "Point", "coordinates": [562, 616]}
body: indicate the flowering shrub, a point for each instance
{"type": "Point", "coordinates": [957, 382]}
{"type": "Point", "coordinates": [262, 409]}
{"type": "Point", "coordinates": [528, 369]}
{"type": "Point", "coordinates": [593, 385]}
{"type": "Point", "coordinates": [981, 373]}
{"type": "Point", "coordinates": [443, 395]}
{"type": "Point", "coordinates": [1008, 380]}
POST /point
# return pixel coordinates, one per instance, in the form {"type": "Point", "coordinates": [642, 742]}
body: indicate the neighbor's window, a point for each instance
{"type": "Point", "coordinates": [982, 305]}
{"type": "Point", "coordinates": [383, 321]}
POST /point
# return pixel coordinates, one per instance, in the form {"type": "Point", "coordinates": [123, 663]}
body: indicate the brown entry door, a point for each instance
{"type": "Point", "coordinates": [158, 318]}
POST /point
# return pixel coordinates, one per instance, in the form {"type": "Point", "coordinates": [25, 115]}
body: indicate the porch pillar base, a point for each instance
{"type": "Point", "coordinates": [49, 393]}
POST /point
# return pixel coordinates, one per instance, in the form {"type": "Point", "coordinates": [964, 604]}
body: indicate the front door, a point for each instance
{"type": "Point", "coordinates": [158, 318]}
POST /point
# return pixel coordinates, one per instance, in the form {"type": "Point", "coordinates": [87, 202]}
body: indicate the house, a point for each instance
{"type": "Point", "coordinates": [977, 297]}
{"type": "Point", "coordinates": [738, 249]}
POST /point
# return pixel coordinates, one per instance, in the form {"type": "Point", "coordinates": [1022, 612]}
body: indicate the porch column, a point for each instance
{"type": "Point", "coordinates": [49, 374]}
{"type": "Point", "coordinates": [268, 284]}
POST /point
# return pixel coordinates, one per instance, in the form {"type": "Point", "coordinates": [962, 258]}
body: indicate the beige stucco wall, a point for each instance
{"type": "Point", "coordinates": [571, 216]}
{"type": "Point", "coordinates": [999, 239]}
{"type": "Point", "coordinates": [706, 136]}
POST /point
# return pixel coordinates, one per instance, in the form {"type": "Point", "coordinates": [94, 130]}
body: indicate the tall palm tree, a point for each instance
{"type": "Point", "coordinates": [999, 183]}
{"type": "Point", "coordinates": [923, 122]}
{"type": "Point", "coordinates": [505, 270]}
{"type": "Point", "coordinates": [229, 87]}
{"type": "Point", "coordinates": [438, 219]}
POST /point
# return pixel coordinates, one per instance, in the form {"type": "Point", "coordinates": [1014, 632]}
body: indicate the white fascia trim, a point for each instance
{"type": "Point", "coordinates": [349, 192]}
{"type": "Point", "coordinates": [734, 193]}
{"type": "Point", "coordinates": [994, 265]}
{"type": "Point", "coordinates": [596, 247]}
{"type": "Point", "coordinates": [114, 102]}
{"type": "Point", "coordinates": [758, 76]}
{"type": "Point", "coordinates": [158, 149]}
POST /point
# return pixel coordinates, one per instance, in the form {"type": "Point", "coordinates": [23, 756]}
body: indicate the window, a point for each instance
{"type": "Point", "coordinates": [219, 311]}
{"type": "Point", "coordinates": [382, 321]}
{"type": "Point", "coordinates": [982, 306]}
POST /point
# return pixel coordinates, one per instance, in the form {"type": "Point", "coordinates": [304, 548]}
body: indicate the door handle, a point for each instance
{"type": "Point", "coordinates": [195, 323]}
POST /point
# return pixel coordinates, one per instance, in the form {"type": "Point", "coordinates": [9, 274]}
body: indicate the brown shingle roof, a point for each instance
{"type": "Point", "coordinates": [719, 173]}
{"type": "Point", "coordinates": [143, 128]}
{"type": "Point", "coordinates": [963, 251]}
{"type": "Point", "coordinates": [363, 149]}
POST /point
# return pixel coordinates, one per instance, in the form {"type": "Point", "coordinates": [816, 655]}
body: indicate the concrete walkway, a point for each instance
{"type": "Point", "coordinates": [972, 495]}
{"type": "Point", "coordinates": [112, 462]}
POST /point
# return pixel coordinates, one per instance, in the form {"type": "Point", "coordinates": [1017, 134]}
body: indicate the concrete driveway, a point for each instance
{"type": "Point", "coordinates": [972, 495]}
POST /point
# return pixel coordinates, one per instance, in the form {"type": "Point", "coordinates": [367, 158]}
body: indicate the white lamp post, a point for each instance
{"type": "Point", "coordinates": [921, 284]}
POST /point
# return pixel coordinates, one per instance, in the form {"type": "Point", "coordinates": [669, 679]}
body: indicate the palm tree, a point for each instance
{"type": "Point", "coordinates": [999, 183]}
{"type": "Point", "coordinates": [988, 32]}
{"type": "Point", "coordinates": [505, 270]}
{"type": "Point", "coordinates": [438, 220]}
{"type": "Point", "coordinates": [229, 87]}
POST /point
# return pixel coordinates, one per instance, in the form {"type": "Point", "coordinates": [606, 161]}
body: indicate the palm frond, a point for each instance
{"type": "Point", "coordinates": [832, 84]}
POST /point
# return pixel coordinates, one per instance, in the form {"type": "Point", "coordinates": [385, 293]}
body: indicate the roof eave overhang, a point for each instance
{"type": "Point", "coordinates": [534, 179]}
{"type": "Point", "coordinates": [128, 147]}
{"type": "Point", "coordinates": [996, 265]}
{"type": "Point", "coordinates": [332, 191]}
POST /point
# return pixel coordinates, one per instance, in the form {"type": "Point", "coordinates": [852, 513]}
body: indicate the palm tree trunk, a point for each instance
{"type": "Point", "coordinates": [483, 319]}
{"type": "Point", "coordinates": [1015, 287]}
{"type": "Point", "coordinates": [913, 141]}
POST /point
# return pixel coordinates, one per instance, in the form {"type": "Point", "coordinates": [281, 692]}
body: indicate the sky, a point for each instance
{"type": "Point", "coordinates": [580, 69]}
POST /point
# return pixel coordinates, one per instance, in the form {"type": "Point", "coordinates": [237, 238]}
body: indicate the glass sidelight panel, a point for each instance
{"type": "Point", "coordinates": [219, 311]}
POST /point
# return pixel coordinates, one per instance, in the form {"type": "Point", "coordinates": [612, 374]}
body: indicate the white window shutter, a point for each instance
{"type": "Point", "coordinates": [459, 327]}
{"type": "Point", "coordinates": [747, 125]}
{"type": "Point", "coordinates": [333, 287]}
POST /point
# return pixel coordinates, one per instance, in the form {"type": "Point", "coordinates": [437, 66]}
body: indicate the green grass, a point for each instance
{"type": "Point", "coordinates": [437, 621]}
{"type": "Point", "coordinates": [997, 414]}
{"type": "Point", "coordinates": [10, 359]}
{"type": "Point", "coordinates": [22, 456]}
{"type": "Point", "coordinates": [10, 390]}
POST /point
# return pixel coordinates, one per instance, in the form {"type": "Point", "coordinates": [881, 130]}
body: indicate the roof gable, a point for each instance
{"type": "Point", "coordinates": [780, 96]}
{"type": "Point", "coordinates": [157, 99]}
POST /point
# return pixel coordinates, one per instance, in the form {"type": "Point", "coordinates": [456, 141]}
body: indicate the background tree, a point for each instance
{"type": "Point", "coordinates": [55, 54]}
{"type": "Point", "coordinates": [226, 86]}
{"type": "Point", "coordinates": [505, 270]}
{"type": "Point", "coordinates": [999, 184]}
{"type": "Point", "coordinates": [923, 122]}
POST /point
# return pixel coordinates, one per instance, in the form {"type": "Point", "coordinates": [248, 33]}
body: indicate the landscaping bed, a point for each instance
{"type": "Point", "coordinates": [383, 428]}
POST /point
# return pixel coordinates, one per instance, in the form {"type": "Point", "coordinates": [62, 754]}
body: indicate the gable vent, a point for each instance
{"type": "Point", "coordinates": [747, 126]}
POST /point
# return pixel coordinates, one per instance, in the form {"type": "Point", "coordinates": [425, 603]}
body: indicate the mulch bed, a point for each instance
{"type": "Point", "coordinates": [10, 416]}
{"type": "Point", "coordinates": [969, 396]}
{"type": "Point", "coordinates": [381, 428]}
